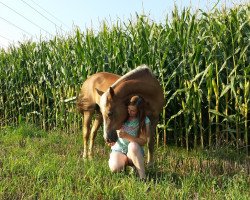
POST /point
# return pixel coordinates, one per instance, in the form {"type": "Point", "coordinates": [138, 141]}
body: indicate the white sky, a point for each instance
{"type": "Point", "coordinates": [19, 21]}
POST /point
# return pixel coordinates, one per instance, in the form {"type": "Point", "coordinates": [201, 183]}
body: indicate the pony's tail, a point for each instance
{"type": "Point", "coordinates": [79, 103]}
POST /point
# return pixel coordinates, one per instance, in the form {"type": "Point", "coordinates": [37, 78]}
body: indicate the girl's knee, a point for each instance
{"type": "Point", "coordinates": [115, 166]}
{"type": "Point", "coordinates": [134, 147]}
{"type": "Point", "coordinates": [117, 162]}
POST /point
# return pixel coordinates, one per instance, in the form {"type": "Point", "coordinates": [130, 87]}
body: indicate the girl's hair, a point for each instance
{"type": "Point", "coordinates": [139, 103]}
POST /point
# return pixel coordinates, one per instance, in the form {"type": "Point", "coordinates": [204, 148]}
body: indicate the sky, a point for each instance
{"type": "Point", "coordinates": [22, 20]}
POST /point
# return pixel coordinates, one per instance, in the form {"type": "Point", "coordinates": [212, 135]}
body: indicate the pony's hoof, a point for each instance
{"type": "Point", "coordinates": [84, 156]}
{"type": "Point", "coordinates": [90, 157]}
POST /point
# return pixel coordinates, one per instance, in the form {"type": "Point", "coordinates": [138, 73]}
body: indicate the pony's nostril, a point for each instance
{"type": "Point", "coordinates": [111, 137]}
{"type": "Point", "coordinates": [114, 137]}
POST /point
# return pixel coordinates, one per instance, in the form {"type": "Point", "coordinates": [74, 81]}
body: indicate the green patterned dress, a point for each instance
{"type": "Point", "coordinates": [131, 127]}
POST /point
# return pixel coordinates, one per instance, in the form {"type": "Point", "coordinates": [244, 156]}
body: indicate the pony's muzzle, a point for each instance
{"type": "Point", "coordinates": [111, 136]}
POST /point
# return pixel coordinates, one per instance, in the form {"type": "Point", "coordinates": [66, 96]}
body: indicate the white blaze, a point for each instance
{"type": "Point", "coordinates": [103, 102]}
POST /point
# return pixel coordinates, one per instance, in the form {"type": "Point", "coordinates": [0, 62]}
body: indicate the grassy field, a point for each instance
{"type": "Point", "coordinates": [202, 61]}
{"type": "Point", "coordinates": [35, 164]}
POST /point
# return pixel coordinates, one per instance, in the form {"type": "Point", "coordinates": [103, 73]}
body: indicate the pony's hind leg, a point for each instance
{"type": "Point", "coordinates": [150, 159]}
{"type": "Point", "coordinates": [151, 143]}
{"type": "Point", "coordinates": [96, 125]}
{"type": "Point", "coordinates": [87, 116]}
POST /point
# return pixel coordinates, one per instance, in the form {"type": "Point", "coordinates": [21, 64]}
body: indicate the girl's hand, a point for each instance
{"type": "Point", "coordinates": [122, 134]}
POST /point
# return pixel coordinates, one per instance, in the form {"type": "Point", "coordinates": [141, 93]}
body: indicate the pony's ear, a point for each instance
{"type": "Point", "coordinates": [99, 92]}
{"type": "Point", "coordinates": [111, 92]}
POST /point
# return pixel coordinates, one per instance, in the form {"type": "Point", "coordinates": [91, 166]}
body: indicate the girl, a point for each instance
{"type": "Point", "coordinates": [131, 137]}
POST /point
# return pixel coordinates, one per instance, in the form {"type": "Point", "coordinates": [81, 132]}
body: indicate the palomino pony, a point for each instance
{"type": "Point", "coordinates": [110, 93]}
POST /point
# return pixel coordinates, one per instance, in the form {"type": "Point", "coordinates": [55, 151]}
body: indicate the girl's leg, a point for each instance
{"type": "Point", "coordinates": [117, 161]}
{"type": "Point", "coordinates": [136, 157]}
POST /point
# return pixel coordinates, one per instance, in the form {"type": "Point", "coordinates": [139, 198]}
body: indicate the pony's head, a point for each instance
{"type": "Point", "coordinates": [114, 111]}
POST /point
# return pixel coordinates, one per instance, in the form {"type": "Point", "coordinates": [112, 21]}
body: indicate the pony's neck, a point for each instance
{"type": "Point", "coordinates": [130, 88]}
{"type": "Point", "coordinates": [138, 81]}
{"type": "Point", "coordinates": [140, 86]}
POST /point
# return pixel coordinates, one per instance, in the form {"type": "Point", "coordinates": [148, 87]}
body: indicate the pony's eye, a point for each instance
{"type": "Point", "coordinates": [110, 113]}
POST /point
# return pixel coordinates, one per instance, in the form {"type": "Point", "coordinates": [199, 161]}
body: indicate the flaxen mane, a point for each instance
{"type": "Point", "coordinates": [134, 74]}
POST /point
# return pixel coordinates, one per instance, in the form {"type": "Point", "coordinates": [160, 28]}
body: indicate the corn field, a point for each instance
{"type": "Point", "coordinates": [202, 60]}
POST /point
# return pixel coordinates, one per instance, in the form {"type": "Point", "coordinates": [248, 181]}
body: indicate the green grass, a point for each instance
{"type": "Point", "coordinates": [35, 164]}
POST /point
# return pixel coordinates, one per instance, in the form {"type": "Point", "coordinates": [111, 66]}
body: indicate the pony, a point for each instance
{"type": "Point", "coordinates": [88, 103]}
{"type": "Point", "coordinates": [109, 94]}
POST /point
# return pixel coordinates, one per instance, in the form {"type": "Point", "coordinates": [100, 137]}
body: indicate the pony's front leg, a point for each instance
{"type": "Point", "coordinates": [87, 115]}
{"type": "Point", "coordinates": [96, 125]}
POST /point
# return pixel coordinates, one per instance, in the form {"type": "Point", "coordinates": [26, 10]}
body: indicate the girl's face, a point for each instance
{"type": "Point", "coordinates": [132, 111]}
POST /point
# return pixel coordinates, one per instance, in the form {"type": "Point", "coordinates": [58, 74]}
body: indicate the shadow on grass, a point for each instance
{"type": "Point", "coordinates": [159, 177]}
{"type": "Point", "coordinates": [175, 165]}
